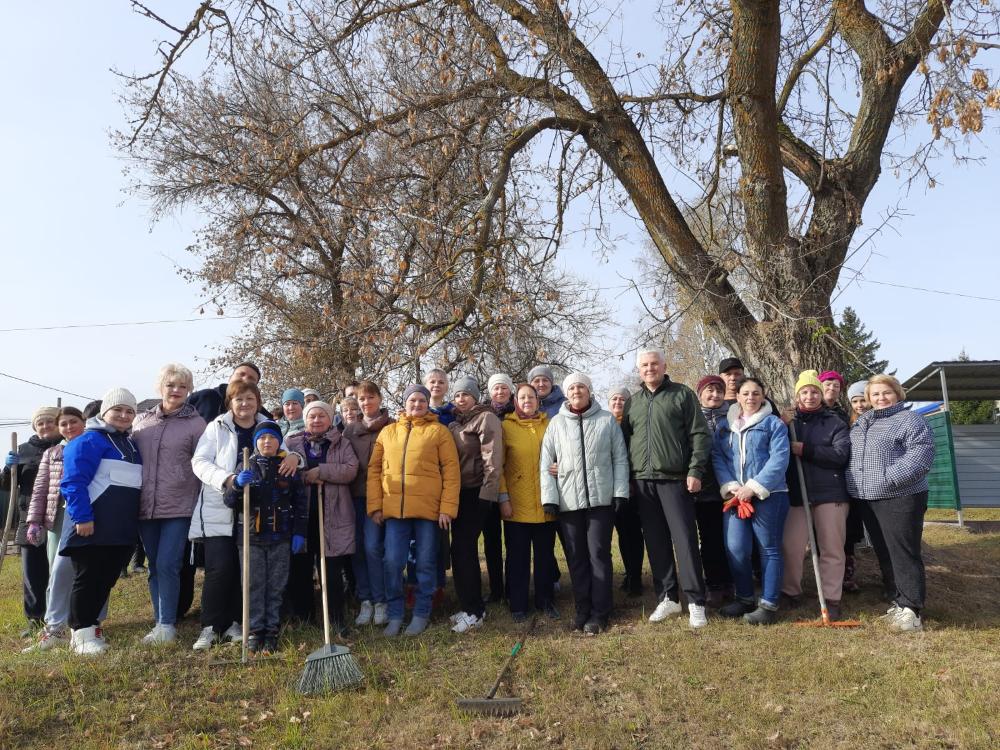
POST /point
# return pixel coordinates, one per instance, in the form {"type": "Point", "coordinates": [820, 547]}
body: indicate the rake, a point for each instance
{"type": "Point", "coordinates": [490, 704]}
{"type": "Point", "coordinates": [824, 621]}
{"type": "Point", "coordinates": [329, 667]}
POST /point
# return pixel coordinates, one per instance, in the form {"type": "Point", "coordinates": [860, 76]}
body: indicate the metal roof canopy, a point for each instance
{"type": "Point", "coordinates": [962, 381]}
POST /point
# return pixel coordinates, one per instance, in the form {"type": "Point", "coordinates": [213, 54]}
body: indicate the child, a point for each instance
{"type": "Point", "coordinates": [278, 510]}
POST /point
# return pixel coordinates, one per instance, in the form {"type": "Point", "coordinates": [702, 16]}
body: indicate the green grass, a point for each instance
{"type": "Point", "coordinates": [638, 686]}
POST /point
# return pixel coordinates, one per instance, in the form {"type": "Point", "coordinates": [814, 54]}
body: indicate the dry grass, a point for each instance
{"type": "Point", "coordinates": [639, 686]}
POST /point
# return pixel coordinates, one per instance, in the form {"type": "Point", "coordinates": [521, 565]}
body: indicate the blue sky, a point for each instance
{"type": "Point", "coordinates": [77, 249]}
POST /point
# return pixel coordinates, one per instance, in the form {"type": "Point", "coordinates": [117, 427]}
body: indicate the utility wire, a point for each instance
{"type": "Point", "coordinates": [127, 323]}
{"type": "Point", "coordinates": [46, 387]}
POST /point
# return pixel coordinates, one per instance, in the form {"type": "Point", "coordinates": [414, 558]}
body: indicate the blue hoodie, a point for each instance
{"type": "Point", "coordinates": [551, 403]}
{"type": "Point", "coordinates": [102, 482]}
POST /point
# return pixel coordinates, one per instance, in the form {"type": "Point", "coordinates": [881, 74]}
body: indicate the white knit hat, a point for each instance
{"type": "Point", "coordinates": [500, 377]}
{"type": "Point", "coordinates": [117, 397]}
{"type": "Point", "coordinates": [577, 377]}
{"type": "Point", "coordinates": [330, 412]}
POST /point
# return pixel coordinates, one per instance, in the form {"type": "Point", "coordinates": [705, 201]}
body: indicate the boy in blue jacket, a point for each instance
{"type": "Point", "coordinates": [278, 510]}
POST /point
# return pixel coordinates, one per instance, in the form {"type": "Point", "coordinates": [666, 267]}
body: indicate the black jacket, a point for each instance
{"type": "Point", "coordinates": [211, 403]}
{"type": "Point", "coordinates": [29, 457]}
{"type": "Point", "coordinates": [279, 506]}
{"type": "Point", "coordinates": [826, 451]}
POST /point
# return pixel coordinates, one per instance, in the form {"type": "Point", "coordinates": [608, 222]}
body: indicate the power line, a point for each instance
{"type": "Point", "coordinates": [46, 387]}
{"type": "Point", "coordinates": [930, 291]}
{"type": "Point", "coordinates": [127, 323]}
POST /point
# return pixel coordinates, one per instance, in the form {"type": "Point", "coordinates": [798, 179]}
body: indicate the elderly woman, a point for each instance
{"type": "Point", "coordinates": [593, 473]}
{"type": "Point", "coordinates": [34, 559]}
{"type": "Point", "coordinates": [45, 520]}
{"type": "Point", "coordinates": [500, 397]}
{"type": "Point", "coordinates": [528, 527]}
{"type": "Point", "coordinates": [167, 436]}
{"type": "Point", "coordinates": [217, 459]}
{"type": "Point", "coordinates": [479, 439]}
{"type": "Point", "coordinates": [332, 465]}
{"type": "Point", "coordinates": [413, 488]}
{"type": "Point", "coordinates": [892, 450]}
{"type": "Point", "coordinates": [627, 522]}
{"type": "Point", "coordinates": [823, 445]}
{"type": "Point", "coordinates": [102, 480]}
{"type": "Point", "coordinates": [750, 458]}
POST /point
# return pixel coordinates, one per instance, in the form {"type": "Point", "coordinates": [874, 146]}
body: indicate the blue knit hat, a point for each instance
{"type": "Point", "coordinates": [267, 427]}
{"type": "Point", "coordinates": [293, 394]}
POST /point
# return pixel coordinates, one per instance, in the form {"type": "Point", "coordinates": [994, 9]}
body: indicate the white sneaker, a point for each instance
{"type": "Point", "coordinates": [467, 622]}
{"type": "Point", "coordinates": [380, 614]}
{"type": "Point", "coordinates": [206, 640]}
{"type": "Point", "coordinates": [233, 633]}
{"type": "Point", "coordinates": [696, 615]}
{"type": "Point", "coordinates": [890, 614]}
{"type": "Point", "coordinates": [905, 621]}
{"type": "Point", "coordinates": [456, 617]}
{"type": "Point", "coordinates": [161, 634]}
{"type": "Point", "coordinates": [665, 609]}
{"type": "Point", "coordinates": [85, 642]}
{"type": "Point", "coordinates": [48, 640]}
{"type": "Point", "coordinates": [365, 613]}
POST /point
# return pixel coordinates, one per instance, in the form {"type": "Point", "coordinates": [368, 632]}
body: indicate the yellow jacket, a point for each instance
{"type": "Point", "coordinates": [521, 478]}
{"type": "Point", "coordinates": [413, 471]}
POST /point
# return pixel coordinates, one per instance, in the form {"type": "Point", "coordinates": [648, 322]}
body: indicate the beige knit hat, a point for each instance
{"type": "Point", "coordinates": [117, 397]}
{"type": "Point", "coordinates": [44, 411]}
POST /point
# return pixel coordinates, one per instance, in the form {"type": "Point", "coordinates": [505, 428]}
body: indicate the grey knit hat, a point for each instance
{"type": "Point", "coordinates": [543, 370]}
{"type": "Point", "coordinates": [577, 377]}
{"type": "Point", "coordinates": [416, 388]}
{"type": "Point", "coordinates": [856, 389]}
{"type": "Point", "coordinates": [620, 390]}
{"type": "Point", "coordinates": [466, 384]}
{"type": "Point", "coordinates": [117, 397]}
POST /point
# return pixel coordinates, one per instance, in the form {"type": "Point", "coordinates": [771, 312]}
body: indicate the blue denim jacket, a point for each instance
{"type": "Point", "coordinates": [755, 455]}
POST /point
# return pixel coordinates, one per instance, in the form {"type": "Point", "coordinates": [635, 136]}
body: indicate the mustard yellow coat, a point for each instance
{"type": "Point", "coordinates": [413, 471]}
{"type": "Point", "coordinates": [521, 478]}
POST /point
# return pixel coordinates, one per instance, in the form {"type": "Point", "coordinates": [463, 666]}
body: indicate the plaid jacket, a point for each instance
{"type": "Point", "coordinates": [891, 454]}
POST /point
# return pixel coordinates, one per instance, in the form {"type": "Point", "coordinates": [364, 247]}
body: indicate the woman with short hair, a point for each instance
{"type": "Point", "coordinates": [892, 451]}
{"type": "Point", "coordinates": [167, 436]}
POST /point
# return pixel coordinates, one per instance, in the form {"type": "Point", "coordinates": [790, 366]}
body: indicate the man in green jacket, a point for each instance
{"type": "Point", "coordinates": [669, 447]}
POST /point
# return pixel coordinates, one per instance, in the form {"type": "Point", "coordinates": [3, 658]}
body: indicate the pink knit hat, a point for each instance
{"type": "Point", "coordinates": [832, 375]}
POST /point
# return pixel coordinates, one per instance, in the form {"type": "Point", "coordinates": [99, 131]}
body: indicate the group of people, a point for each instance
{"type": "Point", "coordinates": [704, 481]}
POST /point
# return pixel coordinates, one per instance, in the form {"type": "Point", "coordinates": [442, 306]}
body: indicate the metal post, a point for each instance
{"type": "Point", "coordinates": [947, 408]}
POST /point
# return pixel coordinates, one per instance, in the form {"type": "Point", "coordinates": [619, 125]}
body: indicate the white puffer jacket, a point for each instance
{"type": "Point", "coordinates": [593, 461]}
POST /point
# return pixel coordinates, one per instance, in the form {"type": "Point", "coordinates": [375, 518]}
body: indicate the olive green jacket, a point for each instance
{"type": "Point", "coordinates": [666, 433]}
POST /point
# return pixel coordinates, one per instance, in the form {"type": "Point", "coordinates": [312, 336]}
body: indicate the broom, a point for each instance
{"type": "Point", "coordinates": [824, 621]}
{"type": "Point", "coordinates": [330, 667]}
{"type": "Point", "coordinates": [12, 500]}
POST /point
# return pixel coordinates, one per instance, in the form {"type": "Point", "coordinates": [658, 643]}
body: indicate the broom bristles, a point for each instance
{"type": "Point", "coordinates": [329, 668]}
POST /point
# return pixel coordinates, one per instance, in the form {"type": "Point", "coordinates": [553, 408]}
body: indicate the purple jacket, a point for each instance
{"type": "Point", "coordinates": [167, 443]}
{"type": "Point", "coordinates": [337, 469]}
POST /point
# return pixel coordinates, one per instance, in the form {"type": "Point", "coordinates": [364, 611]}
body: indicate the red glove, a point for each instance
{"type": "Point", "coordinates": [744, 508]}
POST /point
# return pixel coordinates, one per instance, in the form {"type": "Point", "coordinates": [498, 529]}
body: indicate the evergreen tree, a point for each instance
{"type": "Point", "coordinates": [860, 348]}
{"type": "Point", "coordinates": [971, 412]}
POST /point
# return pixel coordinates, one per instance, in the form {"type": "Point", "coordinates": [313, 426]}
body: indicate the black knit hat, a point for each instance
{"type": "Point", "coordinates": [729, 363]}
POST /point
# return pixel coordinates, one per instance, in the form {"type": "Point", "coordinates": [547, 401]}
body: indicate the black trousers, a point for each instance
{"type": "Point", "coordinates": [587, 541]}
{"type": "Point", "coordinates": [668, 524]}
{"type": "Point", "coordinates": [708, 514]}
{"type": "Point", "coordinates": [855, 526]}
{"type": "Point", "coordinates": [96, 569]}
{"type": "Point", "coordinates": [335, 570]}
{"type": "Point", "coordinates": [523, 539]}
{"type": "Point", "coordinates": [630, 542]}
{"type": "Point", "coordinates": [465, 530]}
{"type": "Point", "coordinates": [221, 596]}
{"type": "Point", "coordinates": [874, 529]}
{"type": "Point", "coordinates": [493, 549]}
{"type": "Point", "coordinates": [901, 521]}
{"type": "Point", "coordinates": [35, 579]}
{"type": "Point", "coordinates": [185, 595]}
{"type": "Point", "coordinates": [300, 597]}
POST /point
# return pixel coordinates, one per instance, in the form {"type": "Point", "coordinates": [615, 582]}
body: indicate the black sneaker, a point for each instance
{"type": "Point", "coordinates": [551, 611]}
{"type": "Point", "coordinates": [592, 627]}
{"type": "Point", "coordinates": [255, 643]}
{"type": "Point", "coordinates": [761, 616]}
{"type": "Point", "coordinates": [270, 645]}
{"type": "Point", "coordinates": [736, 608]}
{"type": "Point", "coordinates": [519, 616]}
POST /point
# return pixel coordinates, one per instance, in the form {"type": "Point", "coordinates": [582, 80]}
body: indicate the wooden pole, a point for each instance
{"type": "Point", "coordinates": [11, 503]}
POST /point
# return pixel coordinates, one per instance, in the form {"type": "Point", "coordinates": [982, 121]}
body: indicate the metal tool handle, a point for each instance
{"type": "Point", "coordinates": [322, 568]}
{"type": "Point", "coordinates": [510, 659]}
{"type": "Point", "coordinates": [809, 526]}
{"type": "Point", "coordinates": [246, 558]}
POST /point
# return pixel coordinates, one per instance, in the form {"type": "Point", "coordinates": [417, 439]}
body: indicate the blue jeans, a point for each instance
{"type": "Point", "coordinates": [767, 525]}
{"type": "Point", "coordinates": [164, 540]}
{"type": "Point", "coordinates": [397, 548]}
{"type": "Point", "coordinates": [374, 551]}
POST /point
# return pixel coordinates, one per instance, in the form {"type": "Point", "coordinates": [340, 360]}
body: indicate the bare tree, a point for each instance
{"type": "Point", "coordinates": [792, 104]}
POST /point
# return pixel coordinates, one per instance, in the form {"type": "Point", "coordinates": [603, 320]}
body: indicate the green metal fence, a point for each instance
{"type": "Point", "coordinates": [943, 479]}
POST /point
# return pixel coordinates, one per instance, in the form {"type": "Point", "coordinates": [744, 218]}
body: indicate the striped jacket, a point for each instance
{"type": "Point", "coordinates": [891, 454]}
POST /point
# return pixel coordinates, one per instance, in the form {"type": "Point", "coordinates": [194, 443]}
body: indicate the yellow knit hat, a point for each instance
{"type": "Point", "coordinates": [808, 377]}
